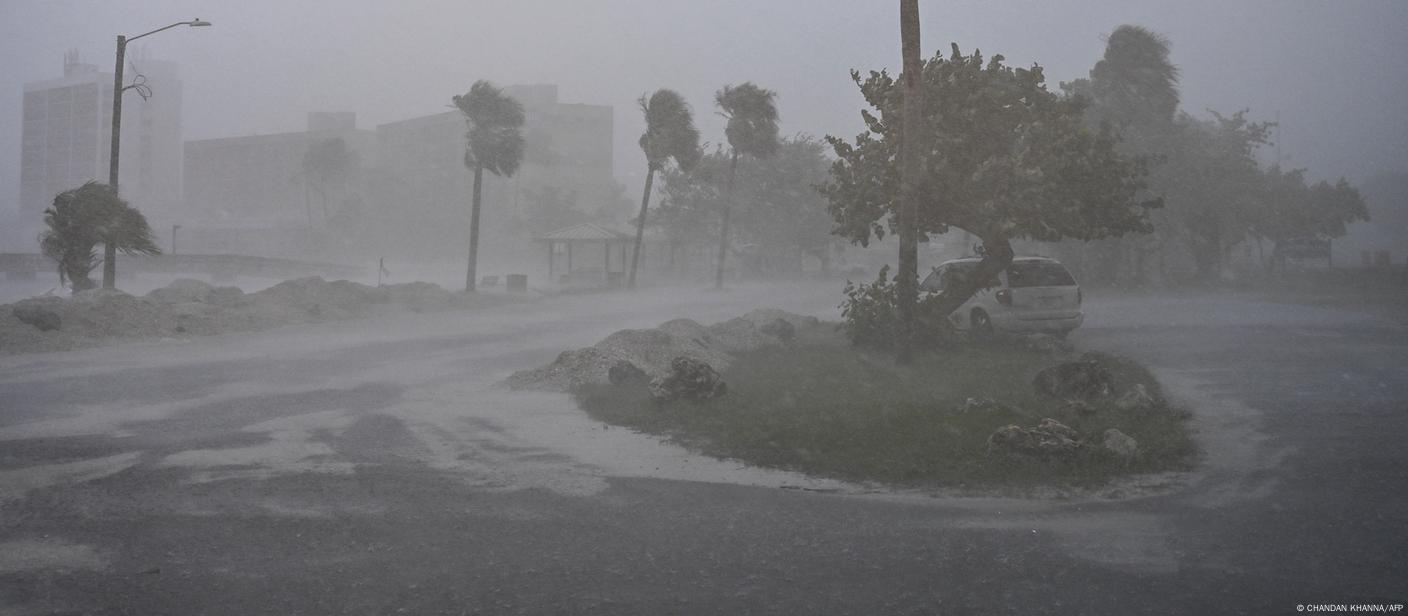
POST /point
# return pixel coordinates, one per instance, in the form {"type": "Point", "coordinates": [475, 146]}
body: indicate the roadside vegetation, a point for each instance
{"type": "Point", "coordinates": [824, 407]}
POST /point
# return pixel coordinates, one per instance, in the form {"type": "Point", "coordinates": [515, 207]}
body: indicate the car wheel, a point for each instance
{"type": "Point", "coordinates": [981, 323]}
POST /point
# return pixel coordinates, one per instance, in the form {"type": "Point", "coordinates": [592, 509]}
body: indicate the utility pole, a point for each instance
{"type": "Point", "coordinates": [911, 118]}
{"type": "Point", "coordinates": [109, 248]}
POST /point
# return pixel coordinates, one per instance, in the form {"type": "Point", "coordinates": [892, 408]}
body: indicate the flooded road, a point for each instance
{"type": "Point", "coordinates": [376, 467]}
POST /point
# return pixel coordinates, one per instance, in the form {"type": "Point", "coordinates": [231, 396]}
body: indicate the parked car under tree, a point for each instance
{"type": "Point", "coordinates": [1034, 294]}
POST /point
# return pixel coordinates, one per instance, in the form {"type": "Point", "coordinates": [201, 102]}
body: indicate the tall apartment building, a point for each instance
{"type": "Point", "coordinates": [260, 179]}
{"type": "Point", "coordinates": [67, 127]}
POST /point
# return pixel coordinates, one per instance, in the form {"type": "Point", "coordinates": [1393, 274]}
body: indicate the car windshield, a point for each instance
{"type": "Point", "coordinates": [956, 272]}
{"type": "Point", "coordinates": [1038, 274]}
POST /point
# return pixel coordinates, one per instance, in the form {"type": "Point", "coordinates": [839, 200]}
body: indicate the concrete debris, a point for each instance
{"type": "Point", "coordinates": [1119, 444]}
{"type": "Point", "coordinates": [37, 315]}
{"type": "Point", "coordinates": [1049, 440]}
{"type": "Point", "coordinates": [688, 379]}
{"type": "Point", "coordinates": [1077, 380]}
{"type": "Point", "coordinates": [654, 351]}
{"type": "Point", "coordinates": [192, 307]}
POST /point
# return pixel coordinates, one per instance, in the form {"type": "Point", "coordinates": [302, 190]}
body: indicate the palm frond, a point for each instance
{"type": "Point", "coordinates": [752, 118]}
{"type": "Point", "coordinates": [494, 122]}
{"type": "Point", "coordinates": [669, 130]}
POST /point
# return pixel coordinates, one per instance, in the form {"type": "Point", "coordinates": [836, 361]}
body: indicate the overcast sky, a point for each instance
{"type": "Point", "coordinates": [1335, 71]}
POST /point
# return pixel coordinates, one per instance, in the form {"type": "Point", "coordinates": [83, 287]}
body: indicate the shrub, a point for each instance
{"type": "Point", "coordinates": [871, 316]}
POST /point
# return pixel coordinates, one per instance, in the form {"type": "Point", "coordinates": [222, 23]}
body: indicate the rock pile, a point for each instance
{"type": "Point", "coordinates": [192, 307]}
{"type": "Point", "coordinates": [655, 351]}
{"type": "Point", "coordinates": [1048, 440]}
{"type": "Point", "coordinates": [1076, 380]}
{"type": "Point", "coordinates": [688, 379]}
{"type": "Point", "coordinates": [1053, 440]}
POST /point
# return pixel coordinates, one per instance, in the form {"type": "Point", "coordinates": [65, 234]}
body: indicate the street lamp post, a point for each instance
{"type": "Point", "coordinates": [173, 238]}
{"type": "Point", "coordinates": [110, 249]}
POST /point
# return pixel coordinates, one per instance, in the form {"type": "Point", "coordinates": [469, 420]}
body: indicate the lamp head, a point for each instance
{"type": "Point", "coordinates": [198, 23]}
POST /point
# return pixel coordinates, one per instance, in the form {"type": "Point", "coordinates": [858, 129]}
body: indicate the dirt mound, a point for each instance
{"type": "Point", "coordinates": [653, 350]}
{"type": "Point", "coordinates": [192, 307]}
{"type": "Point", "coordinates": [188, 290]}
{"type": "Point", "coordinates": [318, 298]}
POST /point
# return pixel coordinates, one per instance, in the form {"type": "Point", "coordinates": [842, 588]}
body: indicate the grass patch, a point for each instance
{"type": "Point", "coordinates": [825, 408]}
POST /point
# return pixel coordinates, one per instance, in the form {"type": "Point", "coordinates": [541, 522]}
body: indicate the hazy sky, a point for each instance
{"type": "Point", "coordinates": [1335, 71]}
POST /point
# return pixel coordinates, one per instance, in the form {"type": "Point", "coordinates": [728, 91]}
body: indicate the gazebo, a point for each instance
{"type": "Point", "coordinates": [588, 238]}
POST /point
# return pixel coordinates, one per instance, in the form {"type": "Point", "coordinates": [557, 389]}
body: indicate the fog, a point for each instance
{"type": "Point", "coordinates": [1329, 71]}
{"type": "Point", "coordinates": [1155, 363]}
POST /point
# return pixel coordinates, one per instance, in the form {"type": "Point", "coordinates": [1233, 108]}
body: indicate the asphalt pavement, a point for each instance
{"type": "Point", "coordinates": [375, 467]}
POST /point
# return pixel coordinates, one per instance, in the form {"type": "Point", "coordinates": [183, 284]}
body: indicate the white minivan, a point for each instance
{"type": "Point", "coordinates": [1034, 294]}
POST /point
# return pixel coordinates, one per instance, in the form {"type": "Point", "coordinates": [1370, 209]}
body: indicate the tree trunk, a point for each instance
{"type": "Point", "coordinates": [640, 226]}
{"type": "Point", "coordinates": [470, 278]}
{"type": "Point", "coordinates": [997, 255]}
{"type": "Point", "coordinates": [907, 277]}
{"type": "Point", "coordinates": [723, 226]}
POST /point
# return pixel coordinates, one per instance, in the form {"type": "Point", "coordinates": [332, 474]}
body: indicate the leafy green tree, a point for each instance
{"type": "Point", "coordinates": [82, 218]}
{"type": "Point", "coordinates": [1003, 159]}
{"type": "Point", "coordinates": [495, 144]}
{"type": "Point", "coordinates": [1211, 182]}
{"type": "Point", "coordinates": [782, 217]}
{"type": "Point", "coordinates": [1289, 209]}
{"type": "Point", "coordinates": [669, 133]}
{"type": "Point", "coordinates": [751, 112]}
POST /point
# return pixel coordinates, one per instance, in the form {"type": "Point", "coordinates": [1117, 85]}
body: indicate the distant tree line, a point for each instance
{"type": "Point", "coordinates": [1216, 194]}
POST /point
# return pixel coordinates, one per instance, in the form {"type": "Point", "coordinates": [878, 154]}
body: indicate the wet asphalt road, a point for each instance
{"type": "Point", "coordinates": [313, 471]}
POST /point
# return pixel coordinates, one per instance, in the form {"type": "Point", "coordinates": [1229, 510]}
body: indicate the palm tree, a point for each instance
{"type": "Point", "coordinates": [82, 218]}
{"type": "Point", "coordinates": [1135, 84]}
{"type": "Point", "coordinates": [752, 129]}
{"type": "Point", "coordinates": [669, 133]}
{"type": "Point", "coordinates": [495, 143]}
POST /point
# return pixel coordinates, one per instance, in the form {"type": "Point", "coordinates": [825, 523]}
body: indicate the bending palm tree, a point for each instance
{"type": "Point", "coordinates": [495, 144]}
{"type": "Point", "coordinates": [669, 132]}
{"type": "Point", "coordinates": [752, 130]}
{"type": "Point", "coordinates": [84, 217]}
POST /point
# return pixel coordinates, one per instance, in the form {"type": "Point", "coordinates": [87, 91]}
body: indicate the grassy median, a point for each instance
{"type": "Point", "coordinates": [825, 408]}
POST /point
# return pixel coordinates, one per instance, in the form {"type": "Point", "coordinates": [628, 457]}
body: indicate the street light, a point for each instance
{"type": "Point", "coordinates": [109, 249]}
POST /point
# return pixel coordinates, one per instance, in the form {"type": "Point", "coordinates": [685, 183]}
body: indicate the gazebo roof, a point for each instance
{"type": "Point", "coordinates": [585, 232]}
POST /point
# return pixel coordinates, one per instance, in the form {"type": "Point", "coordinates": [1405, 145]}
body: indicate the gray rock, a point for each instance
{"type": "Point", "coordinates": [688, 379]}
{"type": "Point", "coordinates": [1049, 440]}
{"type": "Point", "coordinates": [1137, 398]}
{"type": "Point", "coordinates": [623, 373]}
{"type": "Point", "coordinates": [1077, 380]}
{"type": "Point", "coordinates": [1122, 445]}
{"type": "Point", "coordinates": [38, 316]}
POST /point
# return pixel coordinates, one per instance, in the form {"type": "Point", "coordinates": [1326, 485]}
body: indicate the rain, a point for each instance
{"type": "Point", "coordinates": [634, 307]}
